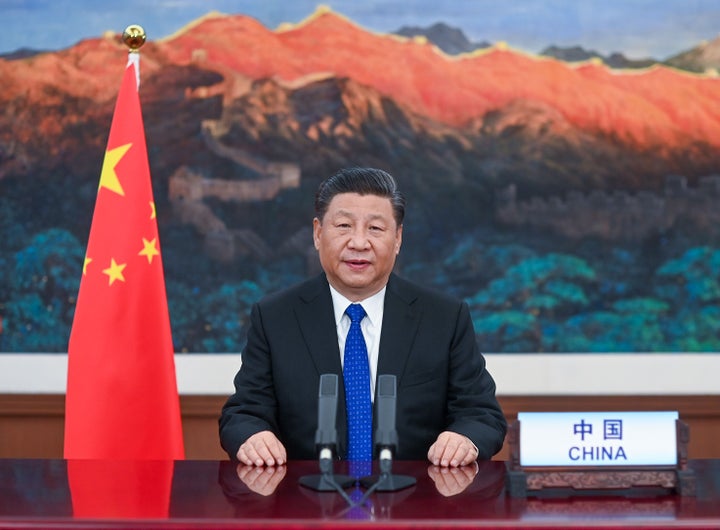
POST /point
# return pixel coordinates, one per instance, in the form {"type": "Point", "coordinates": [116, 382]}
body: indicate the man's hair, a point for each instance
{"type": "Point", "coordinates": [363, 181]}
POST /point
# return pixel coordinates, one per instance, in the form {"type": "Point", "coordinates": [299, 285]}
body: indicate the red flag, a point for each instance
{"type": "Point", "coordinates": [120, 489]}
{"type": "Point", "coordinates": [122, 399]}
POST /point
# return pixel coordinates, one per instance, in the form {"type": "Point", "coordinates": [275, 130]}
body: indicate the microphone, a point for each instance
{"type": "Point", "coordinates": [326, 439]}
{"type": "Point", "coordinates": [326, 434]}
{"type": "Point", "coordinates": [386, 436]}
{"type": "Point", "coordinates": [386, 439]}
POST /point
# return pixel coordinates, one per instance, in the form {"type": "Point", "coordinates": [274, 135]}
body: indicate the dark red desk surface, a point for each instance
{"type": "Point", "coordinates": [207, 494]}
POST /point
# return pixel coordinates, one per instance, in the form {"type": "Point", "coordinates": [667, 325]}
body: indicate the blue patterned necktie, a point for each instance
{"type": "Point", "coordinates": [356, 375]}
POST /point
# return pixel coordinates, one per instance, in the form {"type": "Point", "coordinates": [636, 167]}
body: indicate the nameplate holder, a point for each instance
{"type": "Point", "coordinates": [599, 453]}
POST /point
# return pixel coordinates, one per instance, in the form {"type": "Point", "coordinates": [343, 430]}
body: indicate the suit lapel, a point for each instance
{"type": "Point", "coordinates": [401, 319]}
{"type": "Point", "coordinates": [317, 321]}
{"type": "Point", "coordinates": [316, 318]}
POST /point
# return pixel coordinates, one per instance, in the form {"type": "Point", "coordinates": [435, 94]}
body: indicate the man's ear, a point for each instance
{"type": "Point", "coordinates": [317, 228]}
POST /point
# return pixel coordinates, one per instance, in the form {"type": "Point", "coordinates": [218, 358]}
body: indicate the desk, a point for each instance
{"type": "Point", "coordinates": [209, 494]}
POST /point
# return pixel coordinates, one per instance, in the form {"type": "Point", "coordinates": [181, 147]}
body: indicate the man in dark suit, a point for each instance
{"type": "Point", "coordinates": [447, 411]}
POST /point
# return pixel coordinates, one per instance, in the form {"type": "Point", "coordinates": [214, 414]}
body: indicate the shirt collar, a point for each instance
{"type": "Point", "coordinates": [373, 305]}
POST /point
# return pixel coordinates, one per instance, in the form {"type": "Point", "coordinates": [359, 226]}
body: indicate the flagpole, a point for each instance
{"type": "Point", "coordinates": [134, 37]}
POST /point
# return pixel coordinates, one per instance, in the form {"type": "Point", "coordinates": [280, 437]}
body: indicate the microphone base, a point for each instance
{"type": "Point", "coordinates": [390, 482]}
{"type": "Point", "coordinates": [321, 482]}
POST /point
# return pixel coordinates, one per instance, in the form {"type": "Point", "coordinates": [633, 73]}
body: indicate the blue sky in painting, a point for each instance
{"type": "Point", "coordinates": [637, 28]}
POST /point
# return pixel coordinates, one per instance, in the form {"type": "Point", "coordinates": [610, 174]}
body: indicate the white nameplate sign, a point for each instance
{"type": "Point", "coordinates": [598, 438]}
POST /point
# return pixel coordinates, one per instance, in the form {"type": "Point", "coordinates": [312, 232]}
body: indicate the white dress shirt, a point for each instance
{"type": "Point", "coordinates": [371, 326]}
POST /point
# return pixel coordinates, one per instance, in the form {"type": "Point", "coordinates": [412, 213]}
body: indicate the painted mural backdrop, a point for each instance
{"type": "Point", "coordinates": [570, 197]}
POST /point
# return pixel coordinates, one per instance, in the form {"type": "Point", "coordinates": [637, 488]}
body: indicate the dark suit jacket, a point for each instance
{"type": "Point", "coordinates": [427, 342]}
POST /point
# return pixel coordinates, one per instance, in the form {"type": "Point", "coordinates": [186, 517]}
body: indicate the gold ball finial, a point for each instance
{"type": "Point", "coordinates": [134, 37]}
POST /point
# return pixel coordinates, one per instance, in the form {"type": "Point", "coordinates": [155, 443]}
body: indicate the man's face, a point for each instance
{"type": "Point", "coordinates": [358, 241]}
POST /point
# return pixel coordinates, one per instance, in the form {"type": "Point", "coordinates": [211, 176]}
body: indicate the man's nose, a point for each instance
{"type": "Point", "coordinates": [358, 239]}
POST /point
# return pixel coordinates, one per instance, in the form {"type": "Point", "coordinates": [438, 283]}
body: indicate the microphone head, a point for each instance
{"type": "Point", "coordinates": [386, 434]}
{"type": "Point", "coordinates": [328, 385]}
{"type": "Point", "coordinates": [386, 386]}
{"type": "Point", "coordinates": [326, 434]}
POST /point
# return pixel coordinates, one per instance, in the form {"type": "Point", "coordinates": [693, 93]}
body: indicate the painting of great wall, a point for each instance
{"type": "Point", "coordinates": [187, 191]}
{"type": "Point", "coordinates": [569, 198]}
{"type": "Point", "coordinates": [618, 215]}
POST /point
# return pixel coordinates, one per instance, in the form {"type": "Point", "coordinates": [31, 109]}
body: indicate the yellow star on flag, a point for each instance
{"type": "Point", "coordinates": [152, 210]}
{"type": "Point", "coordinates": [87, 262]}
{"type": "Point", "coordinates": [108, 177]}
{"type": "Point", "coordinates": [149, 249]}
{"type": "Point", "coordinates": [115, 271]}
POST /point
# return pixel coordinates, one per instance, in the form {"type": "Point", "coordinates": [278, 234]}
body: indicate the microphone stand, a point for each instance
{"type": "Point", "coordinates": [327, 480]}
{"type": "Point", "coordinates": [386, 480]}
{"type": "Point", "coordinates": [326, 440]}
{"type": "Point", "coordinates": [386, 440]}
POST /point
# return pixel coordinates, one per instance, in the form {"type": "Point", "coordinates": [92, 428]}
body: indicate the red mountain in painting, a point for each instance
{"type": "Point", "coordinates": [657, 106]}
{"type": "Point", "coordinates": [654, 108]}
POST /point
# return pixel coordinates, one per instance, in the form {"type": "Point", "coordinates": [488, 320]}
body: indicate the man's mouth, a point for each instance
{"type": "Point", "coordinates": [356, 263]}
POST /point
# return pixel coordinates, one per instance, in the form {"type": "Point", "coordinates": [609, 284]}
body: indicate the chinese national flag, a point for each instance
{"type": "Point", "coordinates": [122, 399]}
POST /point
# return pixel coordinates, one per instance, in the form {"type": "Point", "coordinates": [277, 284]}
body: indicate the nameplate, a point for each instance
{"type": "Point", "coordinates": [593, 439]}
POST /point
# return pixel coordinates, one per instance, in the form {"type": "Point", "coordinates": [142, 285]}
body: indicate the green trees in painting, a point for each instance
{"type": "Point", "coordinates": [40, 283]}
{"type": "Point", "coordinates": [552, 303]}
{"type": "Point", "coordinates": [529, 300]}
{"type": "Point", "coordinates": [691, 283]}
